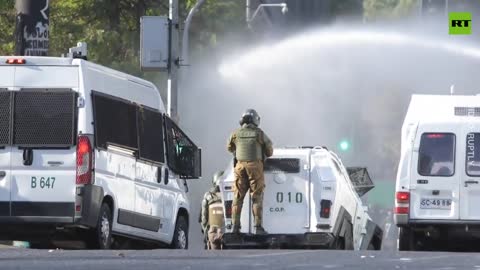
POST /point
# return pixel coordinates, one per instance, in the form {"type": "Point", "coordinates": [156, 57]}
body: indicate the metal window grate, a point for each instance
{"type": "Point", "coordinates": [467, 111]}
{"type": "Point", "coordinates": [282, 165]}
{"type": "Point", "coordinates": [183, 156]}
{"type": "Point", "coordinates": [5, 117]}
{"type": "Point", "coordinates": [360, 179]}
{"type": "Point", "coordinates": [44, 119]}
{"type": "Point", "coordinates": [150, 133]}
{"type": "Point", "coordinates": [115, 122]}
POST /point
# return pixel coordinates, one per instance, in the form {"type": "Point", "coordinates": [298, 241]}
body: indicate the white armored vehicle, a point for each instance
{"type": "Point", "coordinates": [438, 179]}
{"type": "Point", "coordinates": [87, 152]}
{"type": "Point", "coordinates": [311, 201]}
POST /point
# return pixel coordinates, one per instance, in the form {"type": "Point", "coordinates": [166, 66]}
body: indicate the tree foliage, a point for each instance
{"type": "Point", "coordinates": [111, 27]}
{"type": "Point", "coordinates": [7, 26]}
{"type": "Point", "coordinates": [388, 9]}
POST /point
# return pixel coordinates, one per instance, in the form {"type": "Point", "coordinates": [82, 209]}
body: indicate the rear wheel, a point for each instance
{"type": "Point", "coordinates": [406, 239]}
{"type": "Point", "coordinates": [180, 236]}
{"type": "Point", "coordinates": [102, 235]}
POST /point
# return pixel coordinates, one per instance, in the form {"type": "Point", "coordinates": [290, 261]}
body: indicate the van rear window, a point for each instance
{"type": "Point", "coordinates": [5, 115]}
{"type": "Point", "coordinates": [473, 154]}
{"type": "Point", "coordinates": [44, 119]}
{"type": "Point", "coordinates": [38, 118]}
{"type": "Point", "coordinates": [282, 165]}
{"type": "Point", "coordinates": [437, 154]}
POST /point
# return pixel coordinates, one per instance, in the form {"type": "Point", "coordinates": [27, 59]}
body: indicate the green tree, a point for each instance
{"type": "Point", "coordinates": [388, 9]}
{"type": "Point", "coordinates": [7, 26]}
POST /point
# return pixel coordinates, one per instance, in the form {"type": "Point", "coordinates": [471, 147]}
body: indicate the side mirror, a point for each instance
{"type": "Point", "coordinates": [166, 176]}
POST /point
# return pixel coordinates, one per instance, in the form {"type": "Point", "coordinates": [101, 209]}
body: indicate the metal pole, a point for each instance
{"type": "Point", "coordinates": [248, 11]}
{"type": "Point", "coordinates": [32, 27]}
{"type": "Point", "coordinates": [186, 32]}
{"type": "Point", "coordinates": [174, 63]}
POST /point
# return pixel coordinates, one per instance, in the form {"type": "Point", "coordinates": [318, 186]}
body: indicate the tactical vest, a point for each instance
{"type": "Point", "coordinates": [215, 215]}
{"type": "Point", "coordinates": [247, 145]}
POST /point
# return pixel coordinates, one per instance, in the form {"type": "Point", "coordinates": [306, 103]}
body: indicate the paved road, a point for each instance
{"type": "Point", "coordinates": [233, 260]}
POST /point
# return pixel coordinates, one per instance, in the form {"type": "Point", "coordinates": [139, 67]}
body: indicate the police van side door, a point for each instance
{"type": "Point", "coordinates": [149, 181]}
{"type": "Point", "coordinates": [469, 154]}
{"type": "Point", "coordinates": [5, 152]}
{"type": "Point", "coordinates": [435, 173]}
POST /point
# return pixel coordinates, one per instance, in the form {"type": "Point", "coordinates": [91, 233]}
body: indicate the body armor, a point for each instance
{"type": "Point", "coordinates": [215, 214]}
{"type": "Point", "coordinates": [248, 147]}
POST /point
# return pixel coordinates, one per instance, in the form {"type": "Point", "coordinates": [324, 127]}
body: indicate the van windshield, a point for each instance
{"type": "Point", "coordinates": [473, 154]}
{"type": "Point", "coordinates": [437, 154]}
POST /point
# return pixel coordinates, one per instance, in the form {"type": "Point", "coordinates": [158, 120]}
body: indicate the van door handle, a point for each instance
{"type": "Point", "coordinates": [470, 182]}
{"type": "Point", "coordinates": [27, 157]}
{"type": "Point", "coordinates": [3, 174]}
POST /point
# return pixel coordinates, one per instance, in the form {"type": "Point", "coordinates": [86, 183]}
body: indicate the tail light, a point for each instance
{"type": "Point", "coordinates": [325, 206]}
{"type": "Point", "coordinates": [402, 210]}
{"type": "Point", "coordinates": [403, 197]}
{"type": "Point", "coordinates": [435, 136]}
{"type": "Point", "coordinates": [228, 209]}
{"type": "Point", "coordinates": [16, 61]}
{"type": "Point", "coordinates": [402, 203]}
{"type": "Point", "coordinates": [84, 161]}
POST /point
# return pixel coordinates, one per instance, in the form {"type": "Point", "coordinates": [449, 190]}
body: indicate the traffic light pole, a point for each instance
{"type": "Point", "coordinates": [174, 62]}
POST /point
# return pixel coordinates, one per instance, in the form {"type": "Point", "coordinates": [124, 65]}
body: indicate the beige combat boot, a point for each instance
{"type": "Point", "coordinates": [259, 230]}
{"type": "Point", "coordinates": [236, 229]}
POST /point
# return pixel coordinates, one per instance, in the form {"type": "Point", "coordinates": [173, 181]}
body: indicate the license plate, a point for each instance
{"type": "Point", "coordinates": [427, 203]}
{"type": "Point", "coordinates": [42, 182]}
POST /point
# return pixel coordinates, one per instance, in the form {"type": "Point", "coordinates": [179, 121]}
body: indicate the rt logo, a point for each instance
{"type": "Point", "coordinates": [460, 23]}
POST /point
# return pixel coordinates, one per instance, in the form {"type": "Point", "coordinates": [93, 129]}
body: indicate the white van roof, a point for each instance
{"type": "Point", "coordinates": [439, 110]}
{"type": "Point", "coordinates": [39, 60]}
{"type": "Point", "coordinates": [135, 89]}
{"type": "Point", "coordinates": [442, 108]}
{"type": "Point", "coordinates": [301, 150]}
{"type": "Point", "coordinates": [65, 61]}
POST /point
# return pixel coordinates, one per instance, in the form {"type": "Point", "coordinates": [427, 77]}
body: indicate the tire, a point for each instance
{"type": "Point", "coordinates": [406, 239]}
{"type": "Point", "coordinates": [180, 236]}
{"type": "Point", "coordinates": [349, 237]}
{"type": "Point", "coordinates": [344, 242]}
{"type": "Point", "coordinates": [102, 234]}
{"type": "Point", "coordinates": [339, 243]}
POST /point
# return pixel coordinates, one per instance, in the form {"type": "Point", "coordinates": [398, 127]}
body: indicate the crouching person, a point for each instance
{"type": "Point", "coordinates": [212, 215]}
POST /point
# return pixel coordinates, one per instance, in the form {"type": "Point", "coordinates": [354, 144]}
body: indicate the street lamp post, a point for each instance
{"type": "Point", "coordinates": [250, 17]}
{"type": "Point", "coordinates": [186, 32]}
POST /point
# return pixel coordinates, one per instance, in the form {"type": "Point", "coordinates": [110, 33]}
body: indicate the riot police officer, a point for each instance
{"type": "Point", "coordinates": [250, 145]}
{"type": "Point", "coordinates": [212, 220]}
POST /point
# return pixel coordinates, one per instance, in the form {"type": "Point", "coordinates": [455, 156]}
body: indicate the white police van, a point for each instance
{"type": "Point", "coordinates": [311, 201]}
{"type": "Point", "coordinates": [87, 152]}
{"type": "Point", "coordinates": [438, 178]}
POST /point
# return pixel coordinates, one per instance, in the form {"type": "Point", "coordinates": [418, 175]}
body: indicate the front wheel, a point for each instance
{"type": "Point", "coordinates": [102, 234]}
{"type": "Point", "coordinates": [180, 236]}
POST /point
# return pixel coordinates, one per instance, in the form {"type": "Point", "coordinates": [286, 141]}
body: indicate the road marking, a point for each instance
{"type": "Point", "coordinates": [277, 254]}
{"type": "Point", "coordinates": [426, 258]}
